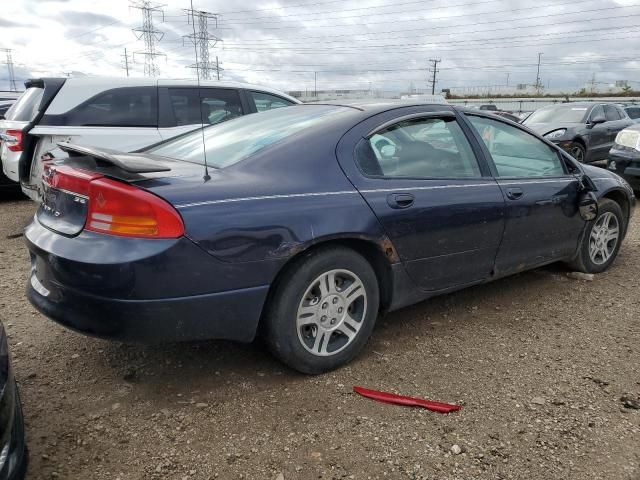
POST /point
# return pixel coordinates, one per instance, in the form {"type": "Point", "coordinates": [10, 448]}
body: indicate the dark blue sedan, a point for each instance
{"type": "Point", "coordinates": [309, 222]}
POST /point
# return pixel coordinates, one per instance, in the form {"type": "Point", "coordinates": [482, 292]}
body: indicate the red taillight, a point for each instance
{"type": "Point", "coordinates": [117, 208]}
{"type": "Point", "coordinates": [14, 145]}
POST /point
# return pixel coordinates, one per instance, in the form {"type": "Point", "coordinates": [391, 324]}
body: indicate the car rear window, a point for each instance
{"type": "Point", "coordinates": [633, 112]}
{"type": "Point", "coordinates": [26, 107]}
{"type": "Point", "coordinates": [230, 142]}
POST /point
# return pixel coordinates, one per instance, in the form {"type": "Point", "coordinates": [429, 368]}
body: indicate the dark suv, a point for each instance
{"type": "Point", "coordinates": [586, 130]}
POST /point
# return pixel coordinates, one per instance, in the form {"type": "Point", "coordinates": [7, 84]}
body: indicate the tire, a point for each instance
{"type": "Point", "coordinates": [298, 326]}
{"type": "Point", "coordinates": [585, 261]}
{"type": "Point", "coordinates": [578, 151]}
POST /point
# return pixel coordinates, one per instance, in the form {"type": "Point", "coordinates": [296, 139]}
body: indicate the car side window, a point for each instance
{"type": "Point", "coordinates": [611, 113]}
{"type": "Point", "coordinates": [597, 111]}
{"type": "Point", "coordinates": [633, 112]}
{"type": "Point", "coordinates": [216, 105]}
{"type": "Point", "coordinates": [515, 152]}
{"type": "Point", "coordinates": [120, 107]}
{"type": "Point", "coordinates": [264, 101]}
{"type": "Point", "coordinates": [423, 148]}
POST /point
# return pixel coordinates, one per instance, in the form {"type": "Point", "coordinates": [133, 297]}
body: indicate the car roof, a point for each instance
{"type": "Point", "coordinates": [380, 105]}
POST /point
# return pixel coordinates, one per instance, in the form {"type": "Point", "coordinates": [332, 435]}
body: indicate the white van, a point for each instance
{"type": "Point", "coordinates": [125, 114]}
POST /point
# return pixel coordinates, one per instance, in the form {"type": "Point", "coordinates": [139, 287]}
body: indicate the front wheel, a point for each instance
{"type": "Point", "coordinates": [578, 151]}
{"type": "Point", "coordinates": [323, 310]}
{"type": "Point", "coordinates": [602, 240]}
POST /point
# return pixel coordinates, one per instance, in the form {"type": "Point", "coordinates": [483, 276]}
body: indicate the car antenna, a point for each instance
{"type": "Point", "coordinates": [195, 49]}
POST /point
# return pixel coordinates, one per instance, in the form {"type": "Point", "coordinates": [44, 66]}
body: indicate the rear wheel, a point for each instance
{"type": "Point", "coordinates": [578, 151]}
{"type": "Point", "coordinates": [323, 310]}
{"type": "Point", "coordinates": [602, 240]}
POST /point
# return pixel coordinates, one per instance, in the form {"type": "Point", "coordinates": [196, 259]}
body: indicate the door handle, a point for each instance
{"type": "Point", "coordinates": [400, 200]}
{"type": "Point", "coordinates": [515, 193]}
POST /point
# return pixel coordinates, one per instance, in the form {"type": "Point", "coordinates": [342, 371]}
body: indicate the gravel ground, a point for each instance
{"type": "Point", "coordinates": [539, 361]}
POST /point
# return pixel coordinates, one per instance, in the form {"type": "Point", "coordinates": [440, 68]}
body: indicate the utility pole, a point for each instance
{"type": "Point", "coordinates": [126, 61]}
{"type": "Point", "coordinates": [538, 84]}
{"type": "Point", "coordinates": [203, 40]}
{"type": "Point", "coordinates": [593, 83]}
{"type": "Point", "coordinates": [434, 70]}
{"type": "Point", "coordinates": [12, 75]}
{"type": "Point", "coordinates": [315, 85]}
{"type": "Point", "coordinates": [508, 79]}
{"type": "Point", "coordinates": [149, 34]}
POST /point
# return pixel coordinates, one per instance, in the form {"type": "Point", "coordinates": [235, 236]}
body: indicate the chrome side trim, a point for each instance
{"type": "Point", "coordinates": [376, 190]}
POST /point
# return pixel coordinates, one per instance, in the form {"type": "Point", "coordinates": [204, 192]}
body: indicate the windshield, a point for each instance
{"type": "Point", "coordinates": [228, 143]}
{"type": "Point", "coordinates": [558, 114]}
{"type": "Point", "coordinates": [26, 107]}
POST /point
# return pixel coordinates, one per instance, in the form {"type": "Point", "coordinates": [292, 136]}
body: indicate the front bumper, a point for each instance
{"type": "Point", "coordinates": [13, 451]}
{"type": "Point", "coordinates": [627, 165]}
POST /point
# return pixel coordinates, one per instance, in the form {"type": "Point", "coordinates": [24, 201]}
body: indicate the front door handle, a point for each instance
{"type": "Point", "coordinates": [515, 193]}
{"type": "Point", "coordinates": [400, 200]}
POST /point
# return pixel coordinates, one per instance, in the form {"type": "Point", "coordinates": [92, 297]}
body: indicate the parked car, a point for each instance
{"type": "Point", "coordinates": [122, 113]}
{"type": "Point", "coordinates": [624, 157]}
{"type": "Point", "coordinates": [507, 115]}
{"type": "Point", "coordinates": [13, 452]}
{"type": "Point", "coordinates": [308, 222]}
{"type": "Point", "coordinates": [585, 130]}
{"type": "Point", "coordinates": [633, 112]}
{"type": "Point", "coordinates": [488, 107]}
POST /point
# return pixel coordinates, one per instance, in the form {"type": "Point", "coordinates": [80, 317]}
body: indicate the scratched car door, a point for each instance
{"type": "Point", "coordinates": [441, 209]}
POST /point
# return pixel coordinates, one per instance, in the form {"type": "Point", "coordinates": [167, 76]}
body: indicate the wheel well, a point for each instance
{"type": "Point", "coordinates": [581, 141]}
{"type": "Point", "coordinates": [621, 199]}
{"type": "Point", "coordinates": [368, 249]}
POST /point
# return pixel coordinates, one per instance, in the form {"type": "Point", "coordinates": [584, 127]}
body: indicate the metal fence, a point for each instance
{"type": "Point", "coordinates": [520, 105]}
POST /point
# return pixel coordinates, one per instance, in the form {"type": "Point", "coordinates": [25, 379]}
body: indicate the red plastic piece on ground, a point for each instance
{"type": "Point", "coordinates": [387, 397]}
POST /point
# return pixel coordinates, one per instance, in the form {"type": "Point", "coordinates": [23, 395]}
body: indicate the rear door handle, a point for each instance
{"type": "Point", "coordinates": [515, 193]}
{"type": "Point", "coordinates": [400, 200]}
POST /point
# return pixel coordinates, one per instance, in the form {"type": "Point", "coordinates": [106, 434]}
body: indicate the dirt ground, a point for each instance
{"type": "Point", "coordinates": [539, 362]}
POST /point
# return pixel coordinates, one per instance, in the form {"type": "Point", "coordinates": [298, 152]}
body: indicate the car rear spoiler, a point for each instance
{"type": "Point", "coordinates": [128, 162]}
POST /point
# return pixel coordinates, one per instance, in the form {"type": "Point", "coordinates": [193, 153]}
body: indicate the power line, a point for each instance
{"type": "Point", "coordinates": [203, 40]}
{"type": "Point", "coordinates": [150, 35]}
{"type": "Point", "coordinates": [12, 75]}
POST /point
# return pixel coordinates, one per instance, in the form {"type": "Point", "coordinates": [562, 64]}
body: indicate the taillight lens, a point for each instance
{"type": "Point", "coordinates": [121, 209]}
{"type": "Point", "coordinates": [117, 208]}
{"type": "Point", "coordinates": [15, 145]}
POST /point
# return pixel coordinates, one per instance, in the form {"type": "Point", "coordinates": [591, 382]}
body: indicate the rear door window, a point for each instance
{"type": "Point", "coordinates": [26, 107]}
{"type": "Point", "coordinates": [265, 101]}
{"type": "Point", "coordinates": [120, 107]}
{"type": "Point", "coordinates": [611, 113]}
{"type": "Point", "coordinates": [210, 106]}
{"type": "Point", "coordinates": [633, 112]}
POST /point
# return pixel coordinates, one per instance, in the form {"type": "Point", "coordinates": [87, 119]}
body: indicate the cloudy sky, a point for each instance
{"type": "Point", "coordinates": [346, 44]}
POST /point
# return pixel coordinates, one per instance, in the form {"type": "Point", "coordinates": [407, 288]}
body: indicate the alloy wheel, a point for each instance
{"type": "Point", "coordinates": [604, 238]}
{"type": "Point", "coordinates": [331, 312]}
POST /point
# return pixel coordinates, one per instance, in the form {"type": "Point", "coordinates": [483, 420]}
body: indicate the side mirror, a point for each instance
{"type": "Point", "coordinates": [588, 206]}
{"type": "Point", "coordinates": [598, 118]}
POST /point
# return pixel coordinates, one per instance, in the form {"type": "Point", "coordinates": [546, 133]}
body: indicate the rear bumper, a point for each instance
{"type": "Point", "coordinates": [232, 315]}
{"type": "Point", "coordinates": [14, 451]}
{"type": "Point", "coordinates": [141, 290]}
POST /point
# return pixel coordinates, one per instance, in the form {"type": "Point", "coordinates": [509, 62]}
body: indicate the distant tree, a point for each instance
{"type": "Point", "coordinates": [626, 90]}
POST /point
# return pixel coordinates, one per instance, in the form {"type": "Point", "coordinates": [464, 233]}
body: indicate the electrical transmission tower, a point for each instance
{"type": "Point", "coordinates": [12, 75]}
{"type": "Point", "coordinates": [203, 40]}
{"type": "Point", "coordinates": [434, 70]}
{"type": "Point", "coordinates": [149, 34]}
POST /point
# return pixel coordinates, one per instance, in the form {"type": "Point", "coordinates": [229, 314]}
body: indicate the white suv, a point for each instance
{"type": "Point", "coordinates": [121, 113]}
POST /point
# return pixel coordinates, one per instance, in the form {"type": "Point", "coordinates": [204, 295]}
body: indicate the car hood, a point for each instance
{"type": "Point", "coordinates": [635, 127]}
{"type": "Point", "coordinates": [544, 128]}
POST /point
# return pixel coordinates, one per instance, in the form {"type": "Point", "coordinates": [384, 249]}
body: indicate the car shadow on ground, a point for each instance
{"type": "Point", "coordinates": [214, 364]}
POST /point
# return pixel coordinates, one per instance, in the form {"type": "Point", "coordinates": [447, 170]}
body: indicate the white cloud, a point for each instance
{"type": "Point", "coordinates": [341, 44]}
